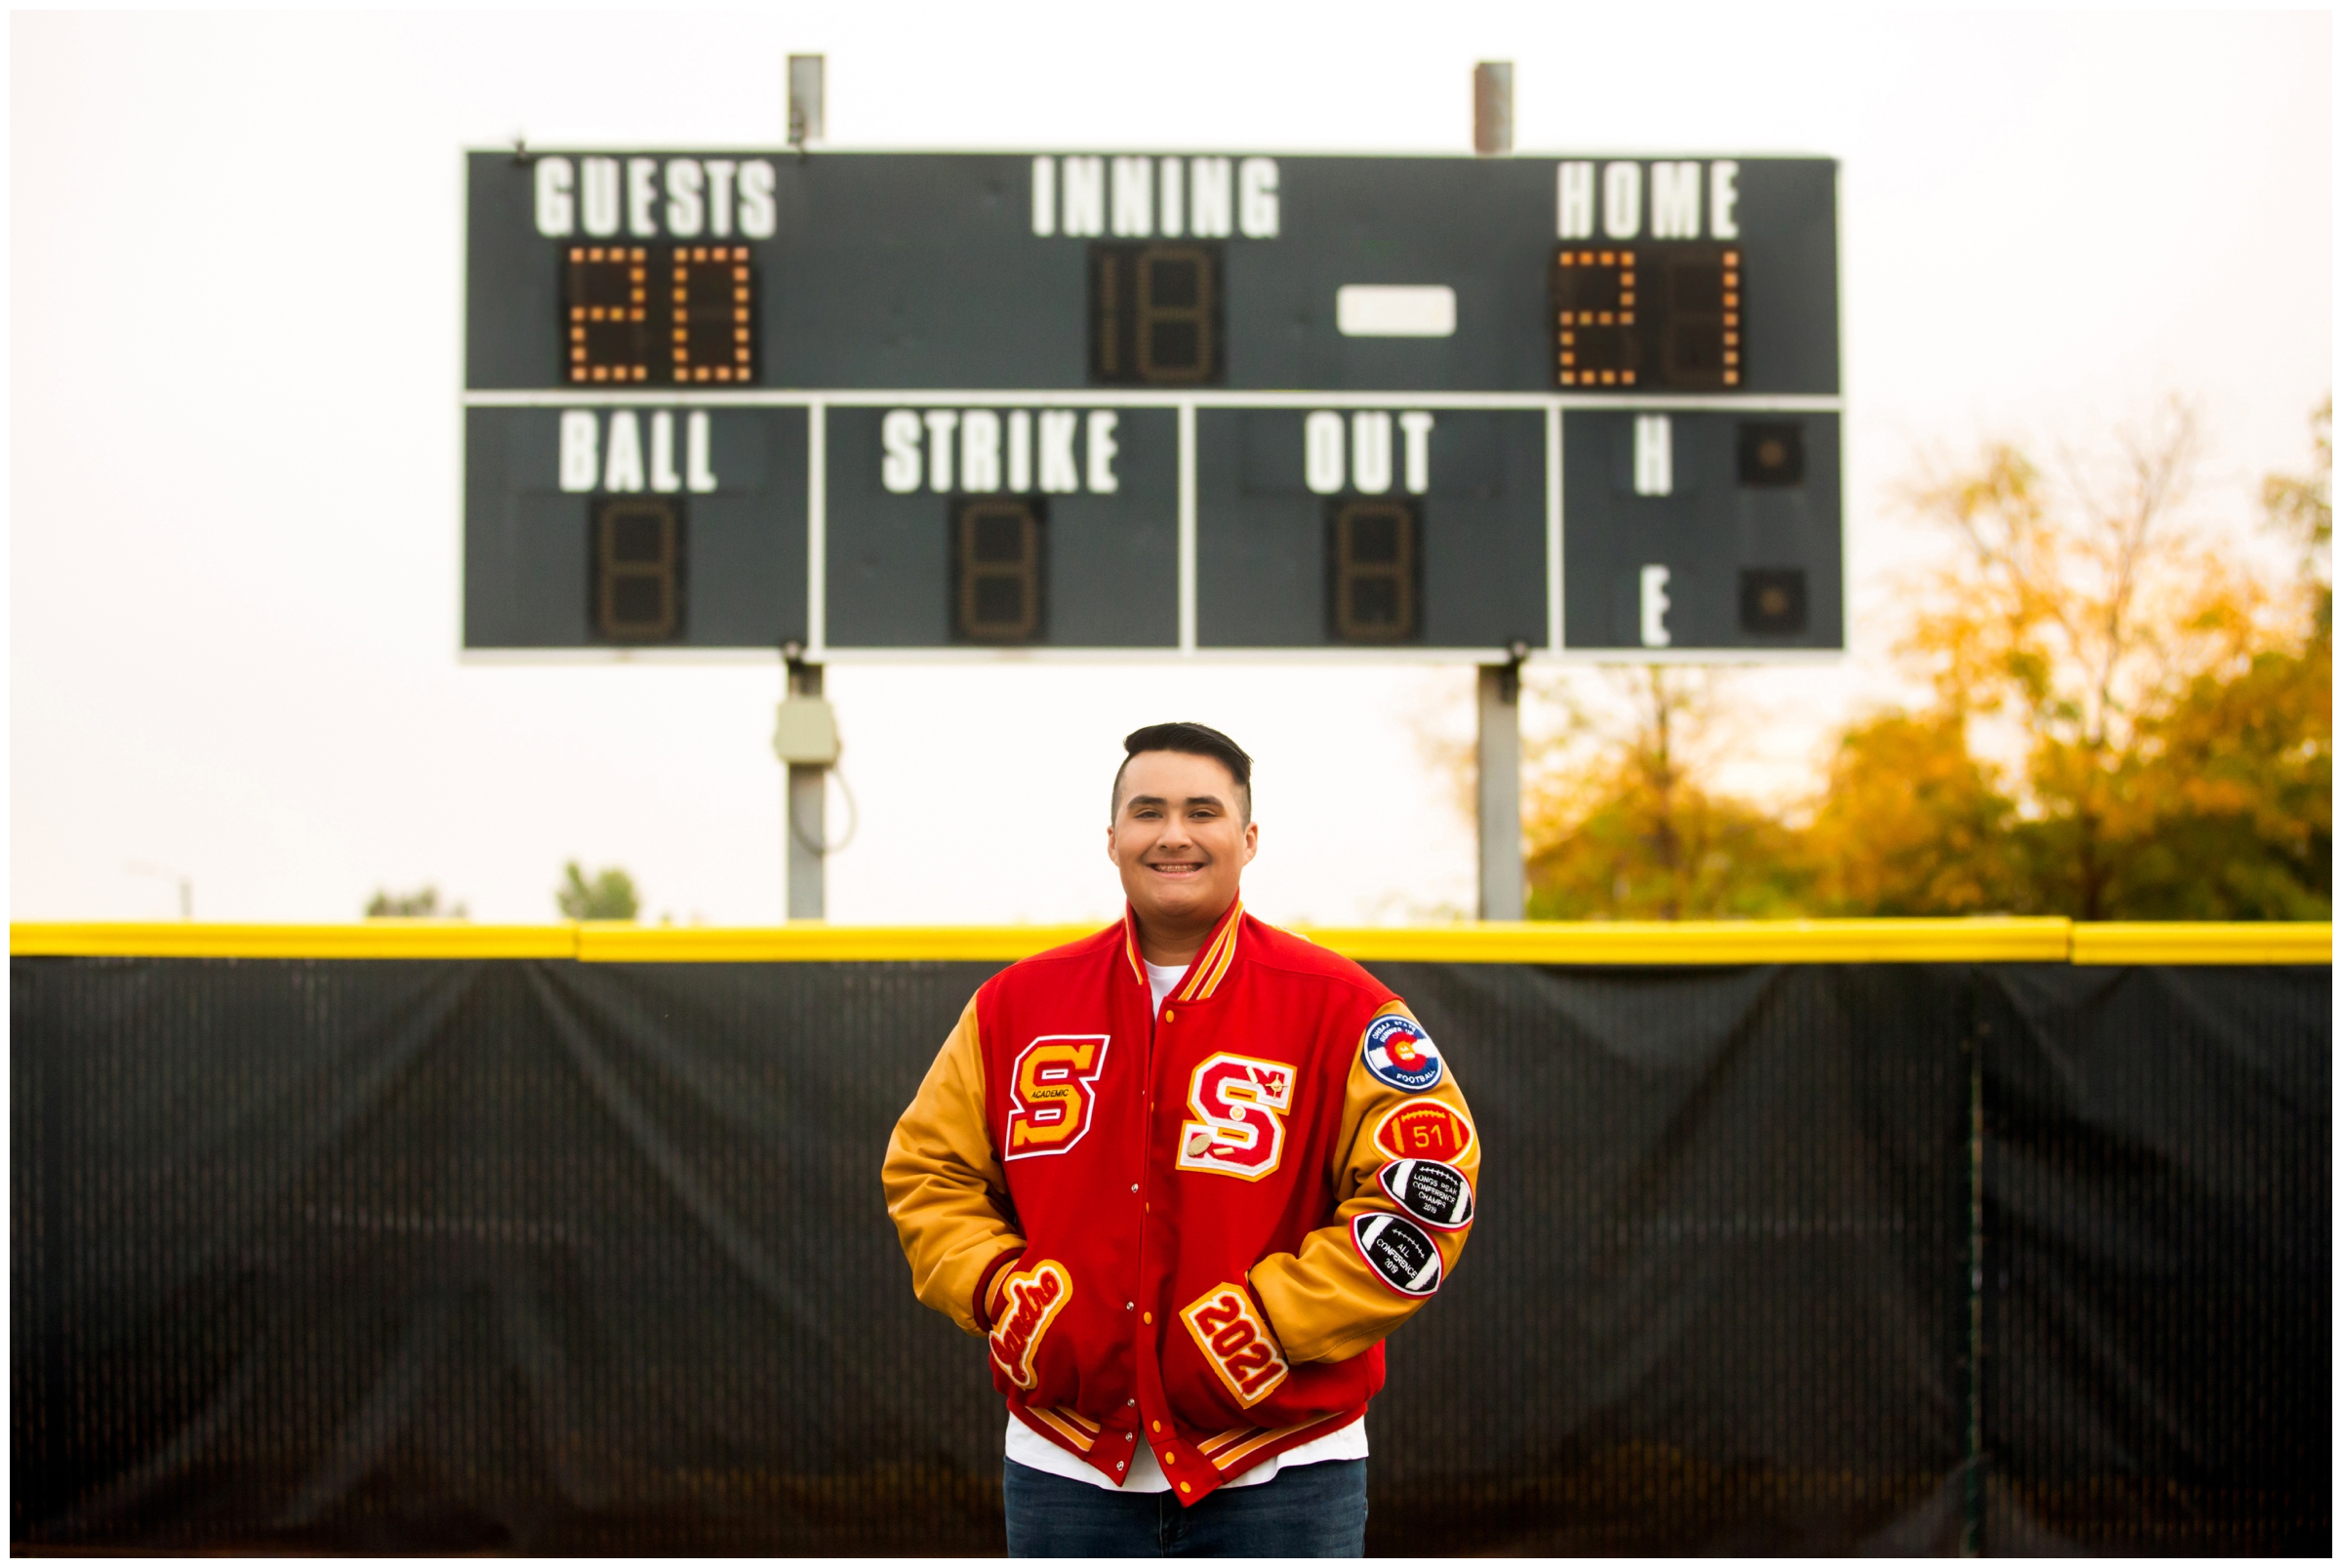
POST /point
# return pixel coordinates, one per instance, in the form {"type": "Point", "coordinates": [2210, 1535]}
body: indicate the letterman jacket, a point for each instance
{"type": "Point", "coordinates": [1191, 1229]}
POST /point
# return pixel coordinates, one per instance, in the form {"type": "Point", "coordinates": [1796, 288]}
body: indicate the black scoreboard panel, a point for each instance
{"type": "Point", "coordinates": [1746, 531]}
{"type": "Point", "coordinates": [700, 543]}
{"type": "Point", "coordinates": [1193, 403]}
{"type": "Point", "coordinates": [932, 560]}
{"type": "Point", "coordinates": [1450, 556]}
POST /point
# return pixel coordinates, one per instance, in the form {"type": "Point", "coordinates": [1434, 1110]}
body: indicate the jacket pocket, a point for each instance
{"type": "Point", "coordinates": [1029, 1352]}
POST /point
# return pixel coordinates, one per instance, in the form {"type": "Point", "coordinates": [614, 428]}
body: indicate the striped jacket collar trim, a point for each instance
{"type": "Point", "coordinates": [1211, 966]}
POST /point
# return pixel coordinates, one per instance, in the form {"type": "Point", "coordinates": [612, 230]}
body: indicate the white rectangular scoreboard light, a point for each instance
{"type": "Point", "coordinates": [978, 405]}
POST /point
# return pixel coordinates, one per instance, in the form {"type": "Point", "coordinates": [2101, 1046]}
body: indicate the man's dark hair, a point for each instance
{"type": "Point", "coordinates": [1197, 741]}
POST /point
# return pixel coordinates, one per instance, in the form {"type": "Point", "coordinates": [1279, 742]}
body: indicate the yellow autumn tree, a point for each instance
{"type": "Point", "coordinates": [2161, 712]}
{"type": "Point", "coordinates": [1622, 818]}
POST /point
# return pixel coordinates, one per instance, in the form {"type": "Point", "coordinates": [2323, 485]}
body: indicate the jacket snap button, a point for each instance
{"type": "Point", "coordinates": [1185, 1487]}
{"type": "Point", "coordinates": [1147, 1318]}
{"type": "Point", "coordinates": [1168, 1014]}
{"type": "Point", "coordinates": [1170, 1458]}
{"type": "Point", "coordinates": [1155, 1425]}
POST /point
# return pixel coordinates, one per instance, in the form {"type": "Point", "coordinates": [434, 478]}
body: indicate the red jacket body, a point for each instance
{"type": "Point", "coordinates": [1190, 1226]}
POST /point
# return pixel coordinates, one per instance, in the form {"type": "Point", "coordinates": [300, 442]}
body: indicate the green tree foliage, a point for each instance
{"type": "Point", "coordinates": [609, 895]}
{"type": "Point", "coordinates": [420, 904]}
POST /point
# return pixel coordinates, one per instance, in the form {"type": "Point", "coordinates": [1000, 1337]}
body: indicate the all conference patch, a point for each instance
{"type": "Point", "coordinates": [1400, 1054]}
{"type": "Point", "coordinates": [1398, 1250]}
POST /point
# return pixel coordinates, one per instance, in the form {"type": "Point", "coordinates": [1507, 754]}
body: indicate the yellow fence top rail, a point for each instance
{"type": "Point", "coordinates": [1624, 942]}
{"type": "Point", "coordinates": [812, 940]}
{"type": "Point", "coordinates": [2177, 942]}
{"type": "Point", "coordinates": [372, 939]}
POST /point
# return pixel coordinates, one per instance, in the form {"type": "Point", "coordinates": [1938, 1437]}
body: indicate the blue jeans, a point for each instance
{"type": "Point", "coordinates": [1312, 1511]}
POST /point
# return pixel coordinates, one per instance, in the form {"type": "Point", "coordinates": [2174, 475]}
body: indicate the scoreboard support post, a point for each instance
{"type": "Point", "coordinates": [1503, 882]}
{"type": "Point", "coordinates": [808, 829]}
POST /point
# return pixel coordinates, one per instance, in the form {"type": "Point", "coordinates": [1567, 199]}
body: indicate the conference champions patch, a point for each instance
{"type": "Point", "coordinates": [1430, 1190]}
{"type": "Point", "coordinates": [1398, 1250]}
{"type": "Point", "coordinates": [1400, 1054]}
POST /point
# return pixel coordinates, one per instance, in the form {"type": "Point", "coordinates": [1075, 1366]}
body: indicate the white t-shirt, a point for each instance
{"type": "Point", "coordinates": [1032, 1449]}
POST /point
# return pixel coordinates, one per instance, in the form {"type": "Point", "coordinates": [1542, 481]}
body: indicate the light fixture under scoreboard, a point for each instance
{"type": "Point", "coordinates": [994, 405]}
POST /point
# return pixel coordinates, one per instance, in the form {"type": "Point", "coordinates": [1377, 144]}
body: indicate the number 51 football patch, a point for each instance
{"type": "Point", "coordinates": [1229, 1331]}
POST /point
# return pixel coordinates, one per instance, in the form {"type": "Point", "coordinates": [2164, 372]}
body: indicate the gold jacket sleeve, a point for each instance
{"type": "Point", "coordinates": [1326, 1302]}
{"type": "Point", "coordinates": [945, 1188]}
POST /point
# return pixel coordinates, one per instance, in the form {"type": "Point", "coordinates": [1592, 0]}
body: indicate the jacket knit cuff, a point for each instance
{"type": "Point", "coordinates": [984, 1286]}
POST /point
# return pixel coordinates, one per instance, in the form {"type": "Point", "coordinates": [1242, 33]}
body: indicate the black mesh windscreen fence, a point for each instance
{"type": "Point", "coordinates": [550, 1257]}
{"type": "Point", "coordinates": [2159, 1235]}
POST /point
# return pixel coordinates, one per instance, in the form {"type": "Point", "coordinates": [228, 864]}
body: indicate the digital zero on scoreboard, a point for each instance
{"type": "Point", "coordinates": [1153, 405]}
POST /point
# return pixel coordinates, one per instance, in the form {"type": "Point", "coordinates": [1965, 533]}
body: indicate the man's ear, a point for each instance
{"type": "Point", "coordinates": [1252, 841]}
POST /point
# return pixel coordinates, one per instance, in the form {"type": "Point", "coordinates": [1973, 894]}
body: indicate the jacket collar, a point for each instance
{"type": "Point", "coordinates": [1211, 965]}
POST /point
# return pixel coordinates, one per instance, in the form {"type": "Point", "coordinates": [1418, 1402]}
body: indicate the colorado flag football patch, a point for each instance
{"type": "Point", "coordinates": [1400, 1054]}
{"type": "Point", "coordinates": [1398, 1250]}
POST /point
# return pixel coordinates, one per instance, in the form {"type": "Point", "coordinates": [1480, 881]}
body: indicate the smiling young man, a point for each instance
{"type": "Point", "coordinates": [1184, 1177]}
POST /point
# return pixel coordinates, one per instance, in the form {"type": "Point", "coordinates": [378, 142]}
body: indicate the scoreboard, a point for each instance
{"type": "Point", "coordinates": [985, 406]}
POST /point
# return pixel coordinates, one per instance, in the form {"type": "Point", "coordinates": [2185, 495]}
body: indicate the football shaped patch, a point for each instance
{"type": "Point", "coordinates": [1398, 1250]}
{"type": "Point", "coordinates": [1436, 1193]}
{"type": "Point", "coordinates": [1400, 1054]}
{"type": "Point", "coordinates": [1424, 1130]}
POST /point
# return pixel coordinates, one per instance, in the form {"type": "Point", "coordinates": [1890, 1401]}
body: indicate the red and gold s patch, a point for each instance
{"type": "Point", "coordinates": [1235, 1338]}
{"type": "Point", "coordinates": [1029, 1300]}
{"type": "Point", "coordinates": [1052, 1088]}
{"type": "Point", "coordinates": [1424, 1130]}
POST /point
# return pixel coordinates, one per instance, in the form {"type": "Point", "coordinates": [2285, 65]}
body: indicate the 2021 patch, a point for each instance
{"type": "Point", "coordinates": [1400, 1054]}
{"type": "Point", "coordinates": [1237, 1341]}
{"type": "Point", "coordinates": [1424, 1130]}
{"type": "Point", "coordinates": [1398, 1250]}
{"type": "Point", "coordinates": [1433, 1191]}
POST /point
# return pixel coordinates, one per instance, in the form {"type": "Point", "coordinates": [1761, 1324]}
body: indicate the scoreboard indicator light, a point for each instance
{"type": "Point", "coordinates": [1772, 602]}
{"type": "Point", "coordinates": [638, 590]}
{"type": "Point", "coordinates": [1373, 568]}
{"type": "Point", "coordinates": [1666, 315]}
{"type": "Point", "coordinates": [697, 329]}
{"type": "Point", "coordinates": [1155, 314]}
{"type": "Point", "coordinates": [999, 550]}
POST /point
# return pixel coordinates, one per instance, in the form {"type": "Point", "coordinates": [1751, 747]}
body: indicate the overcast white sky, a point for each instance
{"type": "Point", "coordinates": [234, 315]}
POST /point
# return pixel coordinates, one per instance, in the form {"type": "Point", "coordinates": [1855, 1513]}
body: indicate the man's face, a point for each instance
{"type": "Point", "coordinates": [1179, 837]}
